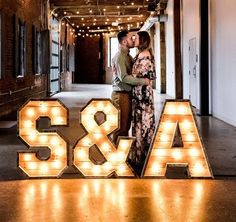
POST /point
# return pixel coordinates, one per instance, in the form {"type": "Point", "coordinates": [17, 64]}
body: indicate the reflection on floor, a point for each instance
{"type": "Point", "coordinates": [118, 199]}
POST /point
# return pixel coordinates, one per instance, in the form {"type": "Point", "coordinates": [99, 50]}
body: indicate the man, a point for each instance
{"type": "Point", "coordinates": [122, 82]}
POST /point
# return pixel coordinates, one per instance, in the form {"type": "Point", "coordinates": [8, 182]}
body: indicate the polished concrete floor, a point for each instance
{"type": "Point", "coordinates": [118, 200]}
{"type": "Point", "coordinates": [77, 199]}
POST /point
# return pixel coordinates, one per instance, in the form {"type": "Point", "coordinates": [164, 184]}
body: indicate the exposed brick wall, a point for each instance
{"type": "Point", "coordinates": [14, 91]}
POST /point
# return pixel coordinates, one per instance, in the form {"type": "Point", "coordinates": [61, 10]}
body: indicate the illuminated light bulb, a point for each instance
{"type": "Point", "coordinates": [120, 156]}
{"type": "Point", "coordinates": [107, 166]}
{"type": "Point", "coordinates": [108, 108]}
{"type": "Point", "coordinates": [91, 110]}
{"type": "Point", "coordinates": [194, 152]}
{"type": "Point", "coordinates": [86, 117]}
{"type": "Point", "coordinates": [30, 112]}
{"type": "Point", "coordinates": [59, 152]}
{"type": "Point", "coordinates": [124, 144]}
{"type": "Point", "coordinates": [155, 168]}
{"type": "Point", "coordinates": [177, 154]}
{"type": "Point", "coordinates": [32, 166]}
{"type": "Point", "coordinates": [55, 141]}
{"type": "Point", "coordinates": [198, 168]}
{"type": "Point", "coordinates": [171, 109]}
{"type": "Point", "coordinates": [56, 164]}
{"type": "Point", "coordinates": [32, 136]}
{"type": "Point", "coordinates": [164, 138]}
{"type": "Point", "coordinates": [190, 137]}
{"type": "Point", "coordinates": [27, 157]}
{"type": "Point", "coordinates": [59, 120]}
{"type": "Point", "coordinates": [86, 141]}
{"type": "Point", "coordinates": [168, 126]}
{"type": "Point", "coordinates": [121, 168]}
{"type": "Point", "coordinates": [44, 167]}
{"type": "Point", "coordinates": [28, 124]}
{"type": "Point", "coordinates": [182, 109]}
{"type": "Point", "coordinates": [43, 108]}
{"type": "Point", "coordinates": [107, 128]}
{"type": "Point", "coordinates": [100, 106]}
{"type": "Point", "coordinates": [90, 125]}
{"type": "Point", "coordinates": [43, 138]}
{"type": "Point", "coordinates": [105, 146]}
{"type": "Point", "coordinates": [160, 152]}
{"type": "Point", "coordinates": [112, 157]}
{"type": "Point", "coordinates": [81, 154]}
{"type": "Point", "coordinates": [96, 170]}
{"type": "Point", "coordinates": [112, 119]}
{"type": "Point", "coordinates": [97, 136]}
{"type": "Point", "coordinates": [56, 110]}
{"type": "Point", "coordinates": [186, 124]}
{"type": "Point", "coordinates": [86, 165]}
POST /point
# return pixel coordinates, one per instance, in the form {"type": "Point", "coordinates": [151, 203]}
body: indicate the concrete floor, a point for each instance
{"type": "Point", "coordinates": [118, 199]}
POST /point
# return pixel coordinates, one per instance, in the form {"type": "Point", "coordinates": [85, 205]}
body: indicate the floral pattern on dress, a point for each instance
{"type": "Point", "coordinates": [143, 119]}
{"type": "Point", "coordinates": [144, 68]}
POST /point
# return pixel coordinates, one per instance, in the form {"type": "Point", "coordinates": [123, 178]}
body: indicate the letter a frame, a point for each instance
{"type": "Point", "coordinates": [177, 143]}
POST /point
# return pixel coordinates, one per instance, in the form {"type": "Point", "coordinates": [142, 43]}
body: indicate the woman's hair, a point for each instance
{"type": "Point", "coordinates": [144, 42]}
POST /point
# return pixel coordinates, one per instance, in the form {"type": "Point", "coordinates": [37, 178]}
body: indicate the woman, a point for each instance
{"type": "Point", "coordinates": [143, 121]}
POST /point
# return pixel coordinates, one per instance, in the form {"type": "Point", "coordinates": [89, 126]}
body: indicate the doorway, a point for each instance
{"type": "Point", "coordinates": [89, 60]}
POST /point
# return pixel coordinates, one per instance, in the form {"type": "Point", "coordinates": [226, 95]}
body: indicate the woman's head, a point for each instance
{"type": "Point", "coordinates": [142, 41]}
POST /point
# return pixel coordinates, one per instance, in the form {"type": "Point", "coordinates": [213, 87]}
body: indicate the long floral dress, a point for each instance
{"type": "Point", "coordinates": [143, 120]}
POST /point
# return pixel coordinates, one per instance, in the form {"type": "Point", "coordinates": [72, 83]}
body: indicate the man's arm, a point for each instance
{"type": "Point", "coordinates": [125, 77]}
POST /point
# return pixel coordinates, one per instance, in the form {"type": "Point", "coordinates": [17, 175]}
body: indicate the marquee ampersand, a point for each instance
{"type": "Point", "coordinates": [98, 135]}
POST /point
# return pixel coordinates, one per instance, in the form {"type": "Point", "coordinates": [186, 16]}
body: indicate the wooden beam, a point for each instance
{"type": "Point", "coordinates": [177, 52]}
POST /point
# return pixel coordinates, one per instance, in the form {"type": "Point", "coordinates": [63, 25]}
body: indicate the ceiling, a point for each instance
{"type": "Point", "coordinates": [96, 16]}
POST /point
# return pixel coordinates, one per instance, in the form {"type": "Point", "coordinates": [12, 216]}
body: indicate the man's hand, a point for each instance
{"type": "Point", "coordinates": [147, 81]}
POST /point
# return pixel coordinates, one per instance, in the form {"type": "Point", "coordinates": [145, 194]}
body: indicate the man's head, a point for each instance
{"type": "Point", "coordinates": [125, 39]}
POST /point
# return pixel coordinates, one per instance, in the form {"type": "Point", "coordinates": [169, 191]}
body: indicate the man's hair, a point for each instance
{"type": "Point", "coordinates": [121, 35]}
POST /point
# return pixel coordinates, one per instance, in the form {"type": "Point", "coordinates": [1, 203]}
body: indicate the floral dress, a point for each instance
{"type": "Point", "coordinates": [143, 120]}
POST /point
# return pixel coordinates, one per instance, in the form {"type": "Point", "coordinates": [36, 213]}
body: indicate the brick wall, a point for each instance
{"type": "Point", "coordinates": [15, 91]}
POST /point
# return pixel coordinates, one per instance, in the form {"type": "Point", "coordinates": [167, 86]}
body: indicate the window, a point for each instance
{"type": "Point", "coordinates": [113, 48]}
{"type": "Point", "coordinates": [37, 53]}
{"type": "Point", "coordinates": [21, 49]}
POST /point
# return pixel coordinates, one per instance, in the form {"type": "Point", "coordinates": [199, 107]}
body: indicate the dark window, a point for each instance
{"type": "Point", "coordinates": [37, 53]}
{"type": "Point", "coordinates": [22, 46]}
